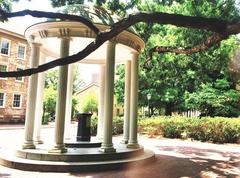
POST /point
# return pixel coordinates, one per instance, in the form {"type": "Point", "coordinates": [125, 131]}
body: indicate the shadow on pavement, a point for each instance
{"type": "Point", "coordinates": [5, 175]}
{"type": "Point", "coordinates": [174, 162]}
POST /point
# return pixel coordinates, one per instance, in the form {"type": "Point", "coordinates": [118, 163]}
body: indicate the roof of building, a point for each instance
{"type": "Point", "coordinates": [12, 33]}
{"type": "Point", "coordinates": [87, 87]}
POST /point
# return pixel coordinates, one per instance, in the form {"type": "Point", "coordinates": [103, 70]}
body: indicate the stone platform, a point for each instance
{"type": "Point", "coordinates": [75, 160]}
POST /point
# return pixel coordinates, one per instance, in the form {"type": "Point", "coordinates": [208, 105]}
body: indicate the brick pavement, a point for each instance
{"type": "Point", "coordinates": [174, 158]}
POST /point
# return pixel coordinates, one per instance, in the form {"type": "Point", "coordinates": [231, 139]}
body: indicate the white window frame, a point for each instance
{"type": "Point", "coordinates": [20, 106]}
{"type": "Point", "coordinates": [25, 47]}
{"type": "Point", "coordinates": [4, 100]}
{"type": "Point", "coordinates": [4, 78]}
{"type": "Point", "coordinates": [9, 48]}
{"type": "Point", "coordinates": [21, 81]}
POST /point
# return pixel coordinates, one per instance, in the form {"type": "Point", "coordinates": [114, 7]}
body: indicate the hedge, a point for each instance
{"type": "Point", "coordinates": [216, 130]}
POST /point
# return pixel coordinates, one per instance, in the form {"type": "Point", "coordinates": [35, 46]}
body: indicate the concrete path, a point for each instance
{"type": "Point", "coordinates": [174, 158]}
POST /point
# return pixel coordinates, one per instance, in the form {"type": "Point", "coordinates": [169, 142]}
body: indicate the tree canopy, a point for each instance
{"type": "Point", "coordinates": [171, 78]}
{"type": "Point", "coordinates": [222, 28]}
{"type": "Point", "coordinates": [7, 4]}
{"type": "Point", "coordinates": [192, 29]}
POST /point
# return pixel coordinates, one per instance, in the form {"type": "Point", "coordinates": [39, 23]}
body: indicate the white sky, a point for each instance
{"type": "Point", "coordinates": [19, 24]}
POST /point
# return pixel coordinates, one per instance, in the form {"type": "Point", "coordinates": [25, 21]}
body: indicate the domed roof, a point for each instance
{"type": "Point", "coordinates": [95, 14]}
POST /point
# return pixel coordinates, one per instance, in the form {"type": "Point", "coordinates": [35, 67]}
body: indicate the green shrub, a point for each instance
{"type": "Point", "coordinates": [117, 125]}
{"type": "Point", "coordinates": [90, 103]}
{"type": "Point", "coordinates": [12, 121]}
{"type": "Point", "coordinates": [94, 121]}
{"type": "Point", "coordinates": [171, 130]}
{"type": "Point", "coordinates": [216, 130]}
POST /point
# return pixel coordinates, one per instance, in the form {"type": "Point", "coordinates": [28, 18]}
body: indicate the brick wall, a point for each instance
{"type": "Point", "coordinates": [10, 86]}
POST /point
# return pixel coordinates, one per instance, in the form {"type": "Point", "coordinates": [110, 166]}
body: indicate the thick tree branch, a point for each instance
{"type": "Point", "coordinates": [210, 41]}
{"type": "Point", "coordinates": [210, 24]}
{"type": "Point", "coordinates": [223, 28]}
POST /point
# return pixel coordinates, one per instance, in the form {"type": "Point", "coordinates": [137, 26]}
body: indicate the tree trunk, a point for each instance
{"type": "Point", "coordinates": [168, 109]}
{"type": "Point", "coordinates": [151, 111]}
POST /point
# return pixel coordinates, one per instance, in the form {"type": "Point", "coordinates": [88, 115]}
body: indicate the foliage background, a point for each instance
{"type": "Point", "coordinates": [171, 78]}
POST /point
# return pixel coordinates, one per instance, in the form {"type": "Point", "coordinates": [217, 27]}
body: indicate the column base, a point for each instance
{"type": "Point", "coordinates": [28, 145]}
{"type": "Point", "coordinates": [58, 149]}
{"type": "Point", "coordinates": [133, 145]}
{"type": "Point", "coordinates": [124, 141]}
{"type": "Point", "coordinates": [38, 142]}
{"type": "Point", "coordinates": [100, 138]}
{"type": "Point", "coordinates": [67, 138]}
{"type": "Point", "coordinates": [107, 148]}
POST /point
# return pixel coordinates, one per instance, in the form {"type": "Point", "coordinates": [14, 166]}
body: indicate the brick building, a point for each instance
{"type": "Point", "coordinates": [14, 55]}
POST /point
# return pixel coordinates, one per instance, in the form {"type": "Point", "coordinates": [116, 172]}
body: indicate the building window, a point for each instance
{"type": "Point", "coordinates": [3, 68]}
{"type": "Point", "coordinates": [2, 100]}
{"type": "Point", "coordinates": [17, 101]}
{"type": "Point", "coordinates": [5, 47]}
{"type": "Point", "coordinates": [21, 51]}
{"type": "Point", "coordinates": [20, 79]}
{"type": "Point", "coordinates": [118, 111]}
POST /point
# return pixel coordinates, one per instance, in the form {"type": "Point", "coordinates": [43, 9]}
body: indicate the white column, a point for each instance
{"type": "Point", "coordinates": [39, 104]}
{"type": "Point", "coordinates": [68, 114]}
{"type": "Point", "coordinates": [127, 102]}
{"type": "Point", "coordinates": [133, 142]}
{"type": "Point", "coordinates": [101, 103]}
{"type": "Point", "coordinates": [59, 146]}
{"type": "Point", "coordinates": [31, 98]}
{"type": "Point", "coordinates": [107, 145]}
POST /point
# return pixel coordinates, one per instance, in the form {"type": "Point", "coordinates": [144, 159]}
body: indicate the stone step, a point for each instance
{"type": "Point", "coordinates": [9, 160]}
{"type": "Point", "coordinates": [78, 154]}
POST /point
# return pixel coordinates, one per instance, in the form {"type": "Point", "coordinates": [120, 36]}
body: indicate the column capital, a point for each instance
{"type": "Point", "coordinates": [102, 65]}
{"type": "Point", "coordinates": [112, 41]}
{"type": "Point", "coordinates": [135, 53]}
{"type": "Point", "coordinates": [32, 41]}
{"type": "Point", "coordinates": [35, 44]}
{"type": "Point", "coordinates": [64, 33]}
{"type": "Point", "coordinates": [67, 38]}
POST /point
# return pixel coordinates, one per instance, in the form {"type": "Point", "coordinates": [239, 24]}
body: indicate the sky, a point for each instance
{"type": "Point", "coordinates": [19, 25]}
{"type": "Point", "coordinates": [23, 22]}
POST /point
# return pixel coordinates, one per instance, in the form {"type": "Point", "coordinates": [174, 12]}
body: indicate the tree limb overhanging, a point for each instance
{"type": "Point", "coordinates": [221, 27]}
{"type": "Point", "coordinates": [208, 43]}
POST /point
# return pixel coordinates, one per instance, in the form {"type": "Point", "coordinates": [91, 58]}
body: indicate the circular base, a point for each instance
{"type": "Point", "coordinates": [77, 154]}
{"type": "Point", "coordinates": [75, 160]}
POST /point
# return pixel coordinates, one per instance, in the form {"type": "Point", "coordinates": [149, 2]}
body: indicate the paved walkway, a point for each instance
{"type": "Point", "coordinates": [174, 158]}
